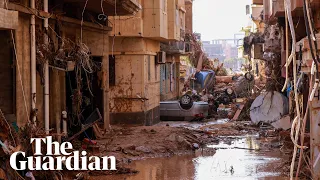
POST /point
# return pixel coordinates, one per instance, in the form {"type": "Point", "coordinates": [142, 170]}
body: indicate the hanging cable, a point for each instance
{"type": "Point", "coordinates": [303, 129]}
{"type": "Point", "coordinates": [287, 53]}
{"type": "Point", "coordinates": [315, 56]}
{"type": "Point", "coordinates": [84, 8]}
{"type": "Point", "coordinates": [296, 124]}
{"type": "Point", "coordinates": [103, 16]}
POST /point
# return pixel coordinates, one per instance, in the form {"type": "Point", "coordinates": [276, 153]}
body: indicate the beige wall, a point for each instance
{"type": "Point", "coordinates": [22, 39]}
{"type": "Point", "coordinates": [176, 19]}
{"type": "Point", "coordinates": [132, 69]}
{"type": "Point", "coordinates": [150, 22]}
{"type": "Point", "coordinates": [189, 18]}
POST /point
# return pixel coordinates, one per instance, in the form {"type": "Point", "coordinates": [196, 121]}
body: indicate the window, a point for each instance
{"type": "Point", "coordinates": [112, 70]}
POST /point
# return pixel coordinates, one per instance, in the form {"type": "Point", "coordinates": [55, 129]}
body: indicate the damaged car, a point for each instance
{"type": "Point", "coordinates": [191, 106]}
{"type": "Point", "coordinates": [184, 109]}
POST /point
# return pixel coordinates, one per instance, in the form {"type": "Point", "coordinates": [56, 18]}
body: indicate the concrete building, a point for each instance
{"type": "Point", "coordinates": [255, 25]}
{"type": "Point", "coordinates": [214, 51]}
{"type": "Point", "coordinates": [186, 69]}
{"type": "Point", "coordinates": [39, 74]}
{"type": "Point", "coordinates": [139, 70]}
{"type": "Point", "coordinates": [189, 16]}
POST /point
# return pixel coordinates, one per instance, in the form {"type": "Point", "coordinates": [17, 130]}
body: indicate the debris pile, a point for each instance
{"type": "Point", "coordinates": [134, 143]}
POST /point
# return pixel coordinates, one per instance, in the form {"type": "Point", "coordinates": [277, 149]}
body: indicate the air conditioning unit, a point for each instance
{"type": "Point", "coordinates": [161, 57]}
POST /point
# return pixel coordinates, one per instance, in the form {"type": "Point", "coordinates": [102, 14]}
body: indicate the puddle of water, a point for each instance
{"type": "Point", "coordinates": [242, 159]}
{"type": "Point", "coordinates": [226, 163]}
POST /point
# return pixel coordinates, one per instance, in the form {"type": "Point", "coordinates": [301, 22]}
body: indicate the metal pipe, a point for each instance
{"type": "Point", "coordinates": [33, 61]}
{"type": "Point", "coordinates": [46, 72]}
{"type": "Point", "coordinates": [64, 123]}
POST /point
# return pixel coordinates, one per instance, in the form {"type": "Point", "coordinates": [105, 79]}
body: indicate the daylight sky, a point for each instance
{"type": "Point", "coordinates": [219, 19]}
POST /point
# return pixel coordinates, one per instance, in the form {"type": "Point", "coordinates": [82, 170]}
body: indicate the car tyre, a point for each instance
{"type": "Point", "coordinates": [186, 102]}
{"type": "Point", "coordinates": [229, 91]}
{"type": "Point", "coordinates": [249, 76]}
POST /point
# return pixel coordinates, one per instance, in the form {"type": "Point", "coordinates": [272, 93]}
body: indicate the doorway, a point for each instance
{"type": "Point", "coordinates": [7, 76]}
{"type": "Point", "coordinates": [82, 100]}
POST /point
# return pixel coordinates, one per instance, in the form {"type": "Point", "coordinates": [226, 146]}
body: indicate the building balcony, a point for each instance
{"type": "Point", "coordinates": [123, 7]}
{"type": "Point", "coordinates": [259, 2]}
{"type": "Point", "coordinates": [188, 1]}
{"type": "Point", "coordinates": [278, 8]}
{"type": "Point", "coordinates": [315, 2]}
{"type": "Point", "coordinates": [279, 11]}
{"type": "Point", "coordinates": [297, 5]}
{"type": "Point", "coordinates": [173, 47]}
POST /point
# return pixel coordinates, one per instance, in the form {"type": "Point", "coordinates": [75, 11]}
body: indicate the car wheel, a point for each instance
{"type": "Point", "coordinates": [186, 102]}
{"type": "Point", "coordinates": [249, 76]}
{"type": "Point", "coordinates": [225, 100]}
{"type": "Point", "coordinates": [229, 91]}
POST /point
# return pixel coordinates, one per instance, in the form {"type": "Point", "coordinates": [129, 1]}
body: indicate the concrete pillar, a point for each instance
{"type": "Point", "coordinates": [314, 135]}
{"type": "Point", "coordinates": [56, 102]}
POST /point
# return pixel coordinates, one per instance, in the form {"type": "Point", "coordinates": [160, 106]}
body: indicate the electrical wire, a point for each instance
{"type": "Point", "coordinates": [307, 24]}
{"type": "Point", "coordinates": [309, 20]}
{"type": "Point", "coordinates": [296, 124]}
{"type": "Point", "coordinates": [315, 56]}
{"type": "Point", "coordinates": [303, 129]}
{"type": "Point", "coordinates": [287, 53]}
{"type": "Point", "coordinates": [102, 7]}
{"type": "Point", "coordinates": [84, 8]}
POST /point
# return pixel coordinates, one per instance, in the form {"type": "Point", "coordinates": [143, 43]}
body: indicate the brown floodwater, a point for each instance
{"type": "Point", "coordinates": [239, 158]}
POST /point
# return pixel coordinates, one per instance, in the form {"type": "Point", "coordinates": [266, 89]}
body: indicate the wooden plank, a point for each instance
{"type": "Point", "coordinates": [236, 116]}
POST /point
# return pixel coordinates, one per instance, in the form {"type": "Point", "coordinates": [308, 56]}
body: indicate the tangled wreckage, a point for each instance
{"type": "Point", "coordinates": [203, 94]}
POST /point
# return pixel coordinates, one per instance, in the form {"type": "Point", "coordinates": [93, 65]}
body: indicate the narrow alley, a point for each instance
{"type": "Point", "coordinates": [159, 89]}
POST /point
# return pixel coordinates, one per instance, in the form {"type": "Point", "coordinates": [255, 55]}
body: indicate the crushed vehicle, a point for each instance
{"type": "Point", "coordinates": [191, 105]}
{"type": "Point", "coordinates": [206, 92]}
{"type": "Point", "coordinates": [184, 109]}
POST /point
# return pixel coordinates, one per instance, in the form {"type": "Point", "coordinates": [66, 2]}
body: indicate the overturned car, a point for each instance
{"type": "Point", "coordinates": [206, 92]}
{"type": "Point", "coordinates": [183, 109]}
{"type": "Point", "coordinates": [190, 106]}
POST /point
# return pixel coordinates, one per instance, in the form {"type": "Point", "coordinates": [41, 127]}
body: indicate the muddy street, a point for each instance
{"type": "Point", "coordinates": [229, 154]}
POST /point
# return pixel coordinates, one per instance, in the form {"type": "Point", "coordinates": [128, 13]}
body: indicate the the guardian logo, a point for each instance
{"type": "Point", "coordinates": [53, 160]}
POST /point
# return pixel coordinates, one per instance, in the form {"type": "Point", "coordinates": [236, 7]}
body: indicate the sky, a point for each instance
{"type": "Point", "coordinates": [219, 19]}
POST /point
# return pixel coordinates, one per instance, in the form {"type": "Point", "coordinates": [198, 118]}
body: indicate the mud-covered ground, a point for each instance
{"type": "Point", "coordinates": [168, 138]}
{"type": "Point", "coordinates": [173, 139]}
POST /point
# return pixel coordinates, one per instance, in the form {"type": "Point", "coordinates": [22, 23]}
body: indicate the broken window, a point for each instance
{"type": "Point", "coordinates": [112, 70]}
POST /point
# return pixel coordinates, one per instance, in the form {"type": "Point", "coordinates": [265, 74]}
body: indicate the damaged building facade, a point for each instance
{"type": "Point", "coordinates": [144, 63]}
{"type": "Point", "coordinates": [55, 61]}
{"type": "Point", "coordinates": [294, 24]}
